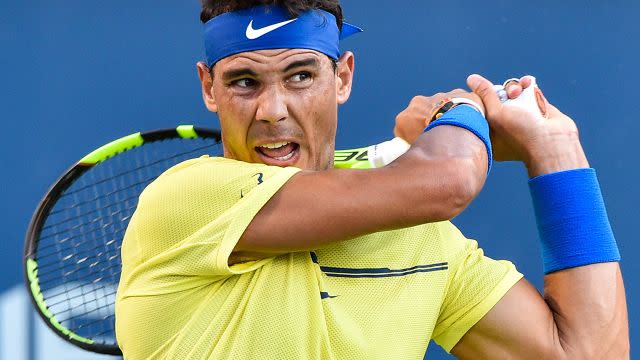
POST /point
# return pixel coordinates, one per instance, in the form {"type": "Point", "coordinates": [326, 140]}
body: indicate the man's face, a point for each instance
{"type": "Point", "coordinates": [278, 107]}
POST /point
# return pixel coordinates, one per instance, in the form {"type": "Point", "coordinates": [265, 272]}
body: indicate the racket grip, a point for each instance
{"type": "Point", "coordinates": [384, 153]}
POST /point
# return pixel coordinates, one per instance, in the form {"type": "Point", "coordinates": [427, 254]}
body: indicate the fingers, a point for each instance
{"type": "Point", "coordinates": [513, 88]}
{"type": "Point", "coordinates": [410, 122]}
{"type": "Point", "coordinates": [530, 97]}
{"type": "Point", "coordinates": [526, 81]}
{"type": "Point", "coordinates": [485, 90]}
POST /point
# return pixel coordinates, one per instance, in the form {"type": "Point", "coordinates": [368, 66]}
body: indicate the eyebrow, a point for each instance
{"type": "Point", "coordinates": [237, 73]}
{"type": "Point", "coordinates": [233, 74]}
{"type": "Point", "coordinates": [302, 63]}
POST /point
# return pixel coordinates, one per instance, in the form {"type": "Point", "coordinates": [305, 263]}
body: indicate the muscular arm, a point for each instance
{"type": "Point", "coordinates": [581, 316]}
{"type": "Point", "coordinates": [583, 312]}
{"type": "Point", "coordinates": [435, 180]}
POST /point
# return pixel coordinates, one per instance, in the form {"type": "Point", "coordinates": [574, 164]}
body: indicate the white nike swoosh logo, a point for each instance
{"type": "Point", "coordinates": [256, 33]}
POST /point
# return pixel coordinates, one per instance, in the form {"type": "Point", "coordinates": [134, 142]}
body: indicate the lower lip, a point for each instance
{"type": "Point", "coordinates": [275, 162]}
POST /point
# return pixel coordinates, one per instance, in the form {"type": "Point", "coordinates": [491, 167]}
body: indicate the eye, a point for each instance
{"type": "Point", "coordinates": [300, 77]}
{"type": "Point", "coordinates": [244, 83]}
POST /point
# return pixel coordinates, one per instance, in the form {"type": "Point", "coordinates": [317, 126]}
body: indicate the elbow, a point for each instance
{"type": "Point", "coordinates": [466, 186]}
{"type": "Point", "coordinates": [463, 180]}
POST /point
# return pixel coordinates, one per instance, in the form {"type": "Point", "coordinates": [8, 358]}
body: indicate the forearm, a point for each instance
{"type": "Point", "coordinates": [554, 153]}
{"type": "Point", "coordinates": [582, 313]}
{"type": "Point", "coordinates": [587, 302]}
{"type": "Point", "coordinates": [589, 311]}
{"type": "Point", "coordinates": [435, 180]}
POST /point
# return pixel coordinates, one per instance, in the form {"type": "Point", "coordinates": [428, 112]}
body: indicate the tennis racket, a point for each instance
{"type": "Point", "coordinates": [72, 248]}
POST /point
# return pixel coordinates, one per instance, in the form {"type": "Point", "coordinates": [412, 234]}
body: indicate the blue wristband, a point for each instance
{"type": "Point", "coordinates": [466, 117]}
{"type": "Point", "coordinates": [572, 220]}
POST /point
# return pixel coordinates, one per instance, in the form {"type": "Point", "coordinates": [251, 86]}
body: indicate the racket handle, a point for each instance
{"type": "Point", "coordinates": [384, 153]}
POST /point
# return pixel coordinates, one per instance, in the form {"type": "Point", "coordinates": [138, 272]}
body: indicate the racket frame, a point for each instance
{"type": "Point", "coordinates": [50, 199]}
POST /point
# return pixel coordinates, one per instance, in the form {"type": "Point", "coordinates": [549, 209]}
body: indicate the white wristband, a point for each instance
{"type": "Point", "coordinates": [473, 104]}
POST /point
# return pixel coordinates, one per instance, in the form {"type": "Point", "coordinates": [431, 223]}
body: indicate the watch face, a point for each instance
{"type": "Point", "coordinates": [441, 107]}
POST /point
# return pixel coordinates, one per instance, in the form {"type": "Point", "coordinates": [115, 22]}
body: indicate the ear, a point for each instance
{"type": "Point", "coordinates": [344, 75]}
{"type": "Point", "coordinates": [206, 82]}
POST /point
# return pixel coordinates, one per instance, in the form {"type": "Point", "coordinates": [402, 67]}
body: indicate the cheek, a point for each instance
{"type": "Point", "coordinates": [235, 118]}
{"type": "Point", "coordinates": [327, 110]}
{"type": "Point", "coordinates": [324, 115]}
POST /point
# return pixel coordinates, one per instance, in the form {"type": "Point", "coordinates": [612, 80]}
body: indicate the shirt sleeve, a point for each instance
{"type": "Point", "coordinates": [189, 220]}
{"type": "Point", "coordinates": [476, 283]}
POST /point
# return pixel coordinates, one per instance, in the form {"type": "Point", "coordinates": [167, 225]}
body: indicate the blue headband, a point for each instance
{"type": "Point", "coordinates": [271, 27]}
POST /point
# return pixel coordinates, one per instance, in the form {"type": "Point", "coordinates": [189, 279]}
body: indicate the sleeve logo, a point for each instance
{"type": "Point", "coordinates": [258, 180]}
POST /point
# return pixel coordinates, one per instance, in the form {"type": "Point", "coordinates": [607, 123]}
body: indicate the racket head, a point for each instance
{"type": "Point", "coordinates": [72, 247]}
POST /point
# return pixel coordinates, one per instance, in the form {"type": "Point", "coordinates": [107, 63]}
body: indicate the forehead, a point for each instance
{"type": "Point", "coordinates": [271, 58]}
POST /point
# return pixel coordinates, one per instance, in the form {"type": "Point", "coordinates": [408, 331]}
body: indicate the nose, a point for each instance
{"type": "Point", "coordinates": [272, 106]}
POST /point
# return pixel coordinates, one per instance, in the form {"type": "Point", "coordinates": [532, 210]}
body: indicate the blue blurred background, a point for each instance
{"type": "Point", "coordinates": [76, 74]}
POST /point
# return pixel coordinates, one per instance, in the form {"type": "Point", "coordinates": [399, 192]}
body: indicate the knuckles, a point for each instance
{"type": "Point", "coordinates": [418, 100]}
{"type": "Point", "coordinates": [410, 122]}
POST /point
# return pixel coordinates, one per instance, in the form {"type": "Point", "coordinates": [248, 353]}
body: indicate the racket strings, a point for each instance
{"type": "Point", "coordinates": [98, 210]}
{"type": "Point", "coordinates": [84, 302]}
{"type": "Point", "coordinates": [78, 252]}
{"type": "Point", "coordinates": [88, 202]}
{"type": "Point", "coordinates": [139, 168]}
{"type": "Point", "coordinates": [66, 291]}
{"type": "Point", "coordinates": [92, 221]}
{"type": "Point", "coordinates": [79, 256]}
{"type": "Point", "coordinates": [84, 255]}
{"type": "Point", "coordinates": [117, 189]}
{"type": "Point", "coordinates": [97, 309]}
{"type": "Point", "coordinates": [51, 260]}
{"type": "Point", "coordinates": [90, 275]}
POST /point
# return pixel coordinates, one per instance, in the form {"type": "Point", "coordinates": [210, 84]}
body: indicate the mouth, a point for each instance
{"type": "Point", "coordinates": [280, 153]}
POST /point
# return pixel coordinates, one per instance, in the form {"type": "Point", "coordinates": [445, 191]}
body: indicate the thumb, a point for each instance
{"type": "Point", "coordinates": [484, 88]}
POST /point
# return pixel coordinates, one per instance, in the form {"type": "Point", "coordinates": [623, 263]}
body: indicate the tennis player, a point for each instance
{"type": "Point", "coordinates": [269, 253]}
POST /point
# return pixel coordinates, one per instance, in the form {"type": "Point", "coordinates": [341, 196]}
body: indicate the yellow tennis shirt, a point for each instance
{"type": "Point", "coordinates": [379, 296]}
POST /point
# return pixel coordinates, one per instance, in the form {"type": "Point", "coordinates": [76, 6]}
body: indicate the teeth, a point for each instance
{"type": "Point", "coordinates": [286, 157]}
{"type": "Point", "coordinates": [275, 145]}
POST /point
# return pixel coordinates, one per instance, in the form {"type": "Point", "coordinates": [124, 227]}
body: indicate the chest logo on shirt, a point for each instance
{"type": "Point", "coordinates": [258, 177]}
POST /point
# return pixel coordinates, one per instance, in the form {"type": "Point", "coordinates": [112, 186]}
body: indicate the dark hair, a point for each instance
{"type": "Point", "coordinates": [213, 8]}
